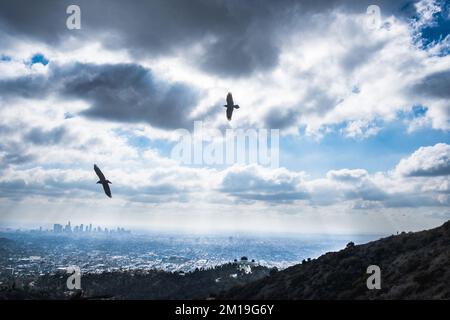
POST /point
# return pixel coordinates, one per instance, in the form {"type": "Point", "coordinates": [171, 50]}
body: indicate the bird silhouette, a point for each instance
{"type": "Point", "coordinates": [103, 181]}
{"type": "Point", "coordinates": [230, 106]}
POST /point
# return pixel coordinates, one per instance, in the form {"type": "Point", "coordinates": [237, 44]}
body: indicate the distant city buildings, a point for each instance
{"type": "Point", "coordinates": [58, 228]}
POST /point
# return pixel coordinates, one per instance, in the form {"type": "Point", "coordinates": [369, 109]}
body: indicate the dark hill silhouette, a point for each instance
{"type": "Point", "coordinates": [413, 266]}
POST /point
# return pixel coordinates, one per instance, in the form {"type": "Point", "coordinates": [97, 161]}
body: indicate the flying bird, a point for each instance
{"type": "Point", "coordinates": [103, 181]}
{"type": "Point", "coordinates": [230, 106]}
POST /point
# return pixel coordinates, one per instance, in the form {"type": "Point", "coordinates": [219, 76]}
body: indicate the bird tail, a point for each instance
{"type": "Point", "coordinates": [108, 181]}
{"type": "Point", "coordinates": [236, 106]}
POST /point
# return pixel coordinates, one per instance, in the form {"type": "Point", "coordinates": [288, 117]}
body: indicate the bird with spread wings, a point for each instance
{"type": "Point", "coordinates": [103, 181]}
{"type": "Point", "coordinates": [230, 106]}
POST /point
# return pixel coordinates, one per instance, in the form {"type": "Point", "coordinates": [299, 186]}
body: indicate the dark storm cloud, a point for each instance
{"type": "Point", "coordinates": [12, 153]}
{"type": "Point", "coordinates": [358, 55]}
{"type": "Point", "coordinates": [18, 188]}
{"type": "Point", "coordinates": [279, 118]}
{"type": "Point", "coordinates": [18, 153]}
{"type": "Point", "coordinates": [440, 170]}
{"type": "Point", "coordinates": [317, 101]}
{"type": "Point", "coordinates": [33, 86]}
{"type": "Point", "coordinates": [16, 158]}
{"type": "Point", "coordinates": [44, 20]}
{"type": "Point", "coordinates": [238, 37]}
{"type": "Point", "coordinates": [129, 93]}
{"type": "Point", "coordinates": [116, 92]}
{"type": "Point", "coordinates": [40, 136]}
{"type": "Point", "coordinates": [435, 85]}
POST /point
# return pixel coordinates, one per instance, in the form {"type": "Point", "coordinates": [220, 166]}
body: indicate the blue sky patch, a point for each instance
{"type": "Point", "coordinates": [4, 57]}
{"type": "Point", "coordinates": [39, 58]}
{"type": "Point", "coordinates": [68, 115]}
{"type": "Point", "coordinates": [439, 29]}
{"type": "Point", "coordinates": [380, 152]}
{"type": "Point", "coordinates": [415, 112]}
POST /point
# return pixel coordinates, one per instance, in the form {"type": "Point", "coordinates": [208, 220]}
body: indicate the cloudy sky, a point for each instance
{"type": "Point", "coordinates": [363, 112]}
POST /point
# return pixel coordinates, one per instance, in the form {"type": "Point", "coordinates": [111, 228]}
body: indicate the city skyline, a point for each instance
{"type": "Point", "coordinates": [59, 228]}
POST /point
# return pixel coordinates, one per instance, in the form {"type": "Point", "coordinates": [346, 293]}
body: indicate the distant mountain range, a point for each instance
{"type": "Point", "coordinates": [413, 266]}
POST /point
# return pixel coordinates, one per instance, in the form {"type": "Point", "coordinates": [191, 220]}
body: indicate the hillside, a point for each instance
{"type": "Point", "coordinates": [151, 284]}
{"type": "Point", "coordinates": [413, 266]}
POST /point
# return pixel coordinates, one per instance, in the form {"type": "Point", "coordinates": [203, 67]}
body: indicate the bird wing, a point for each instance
{"type": "Point", "coordinates": [230, 99]}
{"type": "Point", "coordinates": [229, 113]}
{"type": "Point", "coordinates": [99, 173]}
{"type": "Point", "coordinates": [107, 189]}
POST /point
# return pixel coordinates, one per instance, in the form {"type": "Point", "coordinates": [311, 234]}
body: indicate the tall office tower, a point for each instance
{"type": "Point", "coordinates": [68, 228]}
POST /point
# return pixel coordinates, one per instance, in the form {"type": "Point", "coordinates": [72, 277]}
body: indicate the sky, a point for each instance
{"type": "Point", "coordinates": [360, 103]}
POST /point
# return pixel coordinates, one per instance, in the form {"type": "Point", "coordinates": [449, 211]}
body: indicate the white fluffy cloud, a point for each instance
{"type": "Point", "coordinates": [427, 161]}
{"type": "Point", "coordinates": [347, 175]}
{"type": "Point", "coordinates": [256, 183]}
{"type": "Point", "coordinates": [356, 187]}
